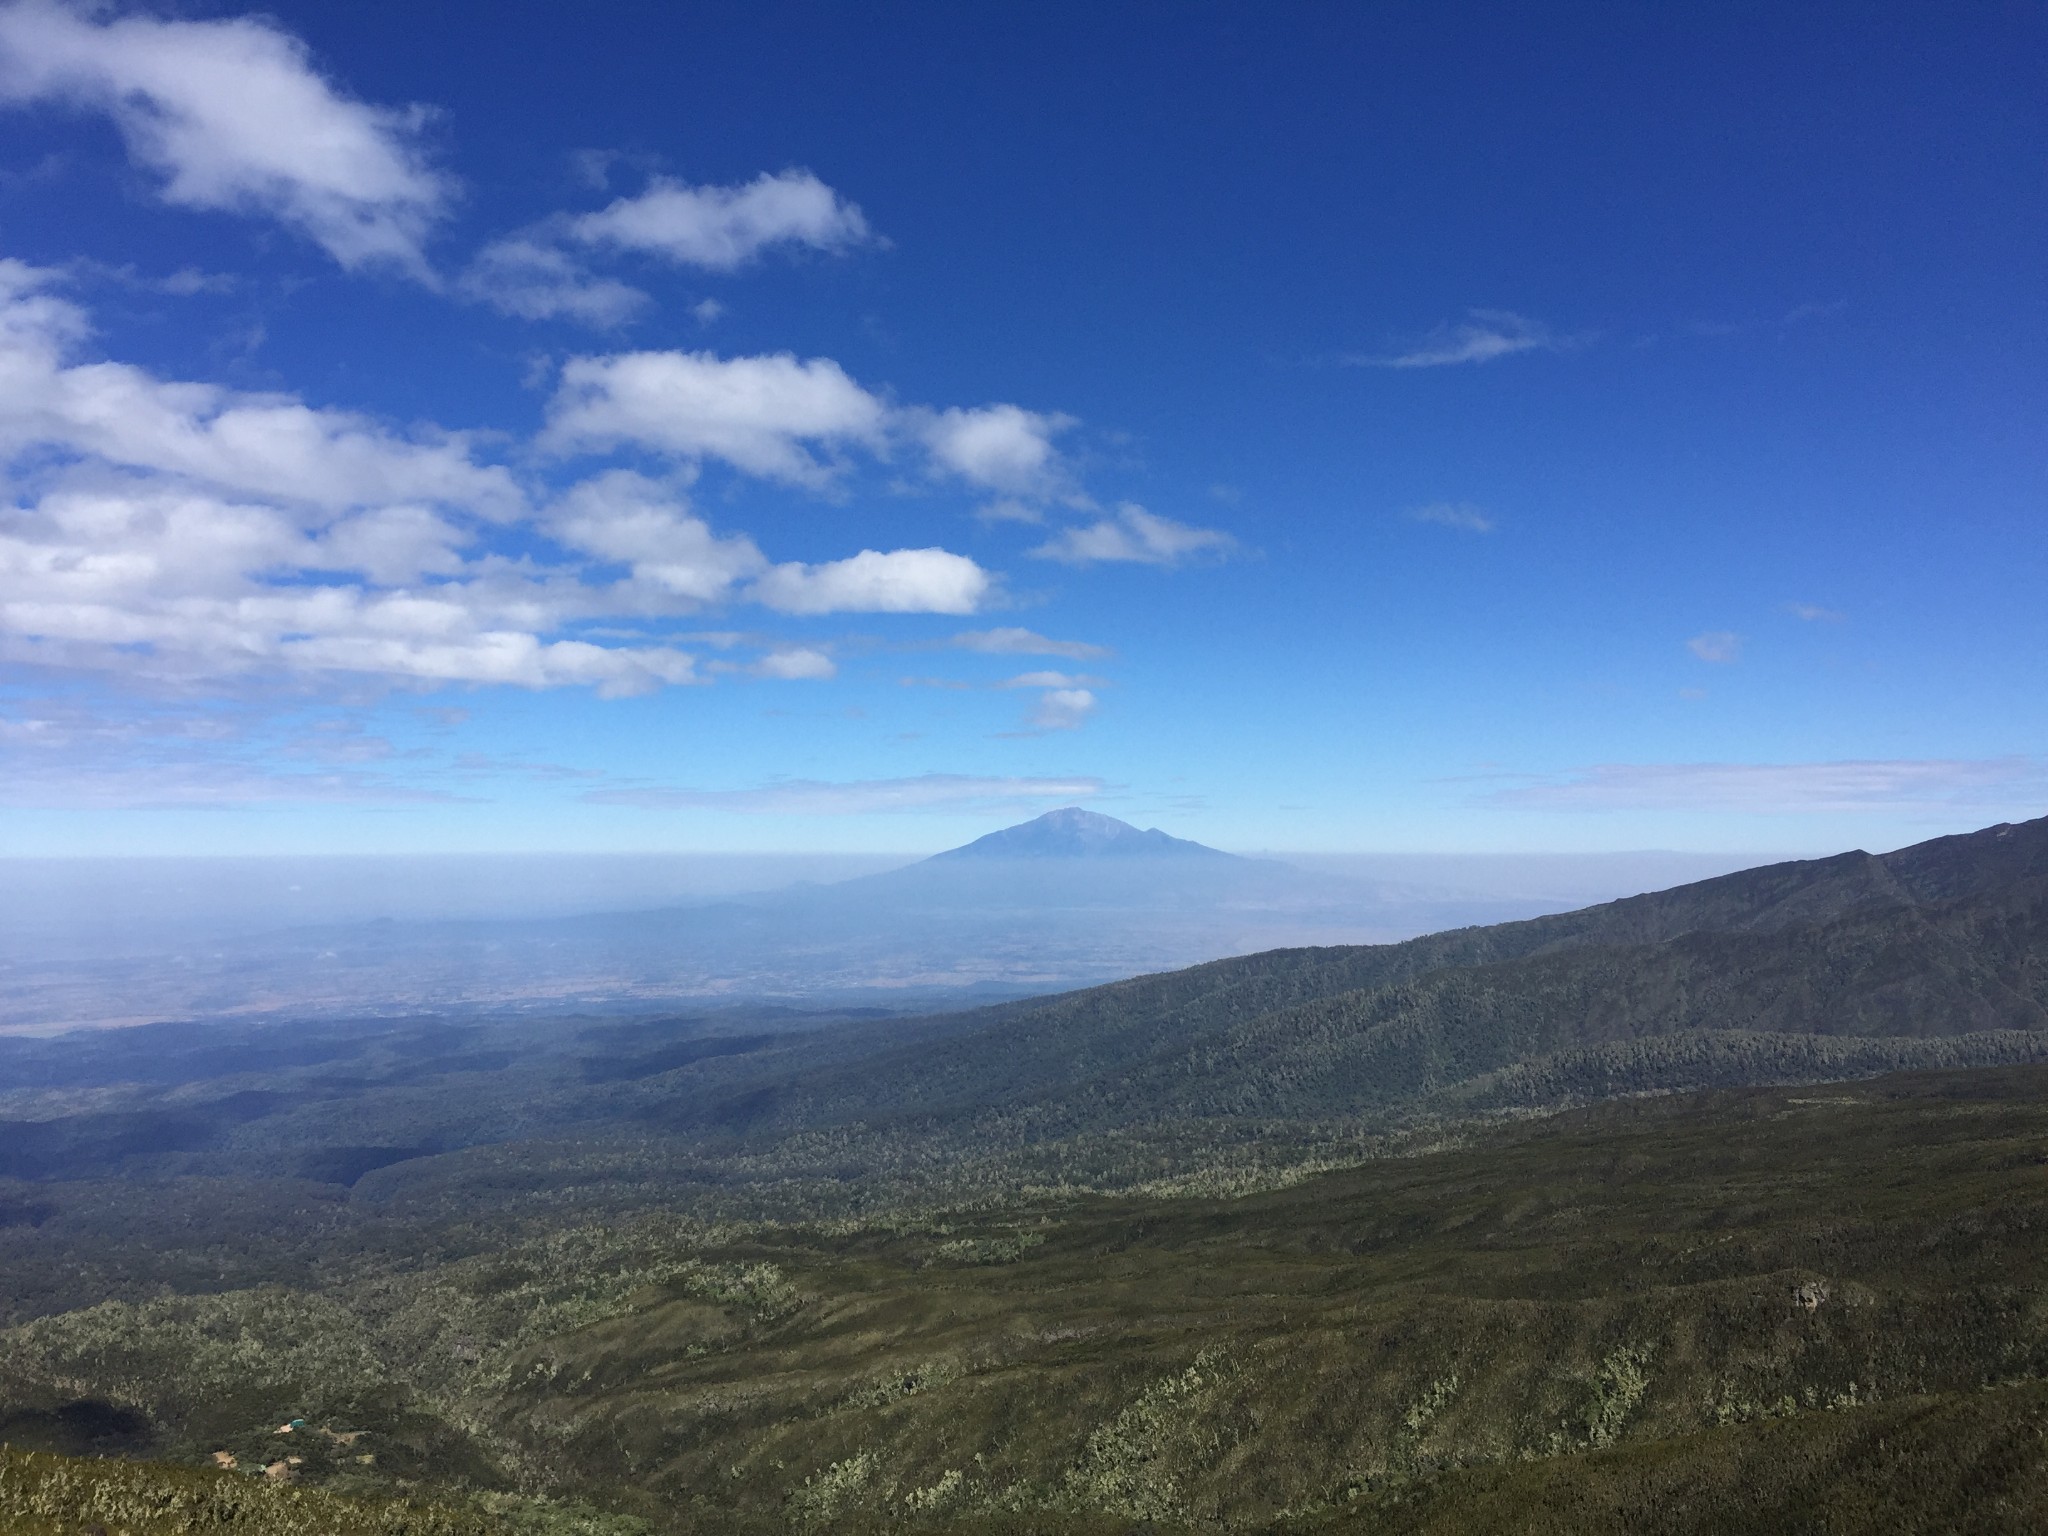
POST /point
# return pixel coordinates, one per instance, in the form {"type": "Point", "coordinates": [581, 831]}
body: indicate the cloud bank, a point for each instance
{"type": "Point", "coordinates": [174, 531]}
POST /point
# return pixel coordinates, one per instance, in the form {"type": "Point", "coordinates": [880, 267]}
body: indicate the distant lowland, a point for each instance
{"type": "Point", "coordinates": [1070, 898]}
{"type": "Point", "coordinates": [1716, 1208]}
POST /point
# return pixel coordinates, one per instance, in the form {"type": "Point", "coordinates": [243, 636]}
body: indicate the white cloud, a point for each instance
{"type": "Point", "coordinates": [1025, 642]}
{"type": "Point", "coordinates": [503, 657]}
{"type": "Point", "coordinates": [1485, 335]}
{"type": "Point", "coordinates": [1008, 509]}
{"type": "Point", "coordinates": [763, 414]}
{"type": "Point", "coordinates": [1134, 535]}
{"type": "Point", "coordinates": [174, 531]}
{"type": "Point", "coordinates": [1063, 709]}
{"type": "Point", "coordinates": [1720, 646]}
{"type": "Point", "coordinates": [721, 228]}
{"type": "Point", "coordinates": [393, 546]}
{"type": "Point", "coordinates": [173, 583]}
{"type": "Point", "coordinates": [244, 444]}
{"type": "Point", "coordinates": [811, 797]}
{"type": "Point", "coordinates": [1813, 613]}
{"type": "Point", "coordinates": [184, 283]}
{"type": "Point", "coordinates": [901, 581]}
{"type": "Point", "coordinates": [1461, 515]}
{"type": "Point", "coordinates": [626, 519]}
{"type": "Point", "coordinates": [997, 447]}
{"type": "Point", "coordinates": [233, 116]}
{"type": "Point", "coordinates": [1789, 788]}
{"type": "Point", "coordinates": [540, 273]}
{"type": "Point", "coordinates": [1050, 680]}
{"type": "Point", "coordinates": [801, 663]}
{"type": "Point", "coordinates": [536, 281]}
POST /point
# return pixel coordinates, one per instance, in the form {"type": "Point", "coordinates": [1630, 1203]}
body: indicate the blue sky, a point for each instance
{"type": "Point", "coordinates": [774, 427]}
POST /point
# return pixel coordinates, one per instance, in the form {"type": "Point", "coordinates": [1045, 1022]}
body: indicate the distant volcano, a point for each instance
{"type": "Point", "coordinates": [1073, 833]}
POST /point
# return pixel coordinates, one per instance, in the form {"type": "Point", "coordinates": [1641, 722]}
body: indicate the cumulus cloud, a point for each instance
{"type": "Point", "coordinates": [1720, 646]}
{"type": "Point", "coordinates": [768, 415]}
{"type": "Point", "coordinates": [794, 419]}
{"type": "Point", "coordinates": [997, 447]}
{"type": "Point", "coordinates": [1461, 515]}
{"type": "Point", "coordinates": [168, 530]}
{"type": "Point", "coordinates": [1788, 788]}
{"type": "Point", "coordinates": [1025, 642]}
{"type": "Point", "coordinates": [1485, 334]}
{"type": "Point", "coordinates": [1063, 709]}
{"type": "Point", "coordinates": [721, 228]}
{"type": "Point", "coordinates": [233, 116]}
{"type": "Point", "coordinates": [626, 519]}
{"type": "Point", "coordinates": [1134, 535]}
{"type": "Point", "coordinates": [900, 581]}
{"type": "Point", "coordinates": [859, 797]}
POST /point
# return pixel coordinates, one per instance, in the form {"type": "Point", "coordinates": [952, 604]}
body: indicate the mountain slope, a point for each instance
{"type": "Point", "coordinates": [1939, 951]}
{"type": "Point", "coordinates": [1683, 1313]}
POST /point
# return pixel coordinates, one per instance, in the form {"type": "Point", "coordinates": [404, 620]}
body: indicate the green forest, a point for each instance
{"type": "Point", "coordinates": [1717, 1210]}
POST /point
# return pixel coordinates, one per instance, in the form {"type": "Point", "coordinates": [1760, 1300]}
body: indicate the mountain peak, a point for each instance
{"type": "Point", "coordinates": [1072, 833]}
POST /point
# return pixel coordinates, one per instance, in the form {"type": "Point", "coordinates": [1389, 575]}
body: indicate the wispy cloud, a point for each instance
{"type": "Point", "coordinates": [184, 283]}
{"type": "Point", "coordinates": [814, 797]}
{"type": "Point", "coordinates": [1051, 680]}
{"type": "Point", "coordinates": [1134, 536]}
{"type": "Point", "coordinates": [1461, 515]}
{"type": "Point", "coordinates": [1789, 788]}
{"type": "Point", "coordinates": [1801, 312]}
{"type": "Point", "coordinates": [1814, 613]}
{"type": "Point", "coordinates": [1720, 646]}
{"type": "Point", "coordinates": [1025, 642]}
{"type": "Point", "coordinates": [541, 272]}
{"type": "Point", "coordinates": [537, 280]}
{"type": "Point", "coordinates": [70, 776]}
{"type": "Point", "coordinates": [1484, 335]}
